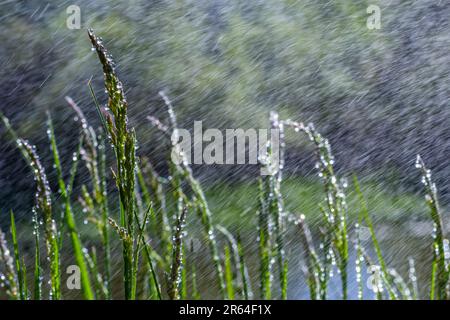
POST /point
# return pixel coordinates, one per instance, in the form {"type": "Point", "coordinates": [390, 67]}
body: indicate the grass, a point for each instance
{"type": "Point", "coordinates": [150, 215]}
{"type": "Point", "coordinates": [238, 200]}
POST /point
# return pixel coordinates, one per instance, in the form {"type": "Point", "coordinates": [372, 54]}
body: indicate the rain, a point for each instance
{"type": "Point", "coordinates": [358, 91]}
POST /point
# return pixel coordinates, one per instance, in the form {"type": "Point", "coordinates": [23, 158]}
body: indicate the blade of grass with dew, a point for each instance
{"type": "Point", "coordinates": [439, 252]}
{"type": "Point", "coordinates": [37, 293]}
{"type": "Point", "coordinates": [334, 206]}
{"type": "Point", "coordinates": [402, 288]}
{"type": "Point", "coordinates": [140, 237]}
{"type": "Point", "coordinates": [316, 278]}
{"type": "Point", "coordinates": [99, 285]}
{"type": "Point", "coordinates": [175, 271]}
{"type": "Point", "coordinates": [97, 106]}
{"type": "Point", "coordinates": [99, 183]}
{"type": "Point", "coordinates": [127, 243]}
{"type": "Point", "coordinates": [150, 292]}
{"type": "Point", "coordinates": [69, 218]}
{"type": "Point", "coordinates": [264, 244]}
{"type": "Point", "coordinates": [413, 279]}
{"type": "Point", "coordinates": [195, 292]}
{"type": "Point", "coordinates": [143, 186]}
{"type": "Point", "coordinates": [21, 275]}
{"type": "Point", "coordinates": [124, 141]}
{"type": "Point", "coordinates": [359, 259]}
{"type": "Point", "coordinates": [93, 154]}
{"type": "Point", "coordinates": [73, 173]}
{"type": "Point", "coordinates": [183, 281]}
{"type": "Point", "coordinates": [148, 256]}
{"type": "Point", "coordinates": [162, 225]}
{"type": "Point", "coordinates": [238, 260]}
{"type": "Point", "coordinates": [228, 273]}
{"type": "Point", "coordinates": [377, 279]}
{"type": "Point", "coordinates": [105, 224]}
{"type": "Point", "coordinates": [152, 270]}
{"type": "Point", "coordinates": [364, 214]}
{"type": "Point", "coordinates": [276, 207]}
{"type": "Point", "coordinates": [43, 204]}
{"type": "Point", "coordinates": [9, 279]}
{"type": "Point", "coordinates": [433, 280]}
{"type": "Point", "coordinates": [246, 284]}
{"type": "Point", "coordinates": [181, 164]}
{"type": "Point", "coordinates": [24, 278]}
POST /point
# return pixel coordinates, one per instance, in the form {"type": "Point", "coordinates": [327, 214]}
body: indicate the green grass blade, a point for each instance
{"type": "Point", "coordinates": [19, 267]}
{"type": "Point", "coordinates": [364, 212]}
{"type": "Point", "coordinates": [431, 198]}
{"type": "Point", "coordinates": [148, 256]}
{"type": "Point", "coordinates": [201, 203]}
{"type": "Point", "coordinates": [37, 260]}
{"type": "Point", "coordinates": [433, 280]}
{"type": "Point", "coordinates": [175, 271]}
{"type": "Point", "coordinates": [8, 278]}
{"type": "Point", "coordinates": [141, 240]}
{"type": "Point", "coordinates": [97, 106]}
{"type": "Point", "coordinates": [246, 287]}
{"type": "Point", "coordinates": [228, 274]}
{"type": "Point", "coordinates": [183, 284]}
{"type": "Point", "coordinates": [105, 224]}
{"type": "Point", "coordinates": [99, 285]}
{"type": "Point", "coordinates": [195, 291]}
{"type": "Point", "coordinates": [70, 220]}
{"type": "Point", "coordinates": [123, 139]}
{"type": "Point", "coordinates": [265, 251]}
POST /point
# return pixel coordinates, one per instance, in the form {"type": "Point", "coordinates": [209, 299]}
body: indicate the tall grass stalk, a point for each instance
{"type": "Point", "coordinates": [229, 276]}
{"type": "Point", "coordinates": [231, 258]}
{"type": "Point", "coordinates": [276, 203]}
{"type": "Point", "coordinates": [265, 247]}
{"type": "Point", "coordinates": [44, 205]}
{"type": "Point", "coordinates": [195, 292]}
{"type": "Point", "coordinates": [246, 283]}
{"type": "Point", "coordinates": [413, 278]}
{"type": "Point", "coordinates": [148, 176]}
{"type": "Point", "coordinates": [8, 278]}
{"type": "Point", "coordinates": [183, 275]}
{"type": "Point", "coordinates": [317, 275]}
{"type": "Point", "coordinates": [365, 217]}
{"type": "Point", "coordinates": [101, 290]}
{"type": "Point", "coordinates": [359, 260]}
{"type": "Point", "coordinates": [123, 140]}
{"type": "Point", "coordinates": [153, 276]}
{"type": "Point", "coordinates": [334, 208]}
{"type": "Point", "coordinates": [200, 202]}
{"type": "Point", "coordinates": [441, 272]}
{"type": "Point", "coordinates": [242, 277]}
{"type": "Point", "coordinates": [69, 217]}
{"type": "Point", "coordinates": [93, 154]}
{"type": "Point", "coordinates": [177, 256]}
{"type": "Point", "coordinates": [148, 253]}
{"type": "Point", "coordinates": [20, 267]}
{"type": "Point", "coordinates": [37, 293]}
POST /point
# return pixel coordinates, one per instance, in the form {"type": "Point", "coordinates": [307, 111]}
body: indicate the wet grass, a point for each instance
{"type": "Point", "coordinates": [152, 217]}
{"type": "Point", "coordinates": [231, 201]}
